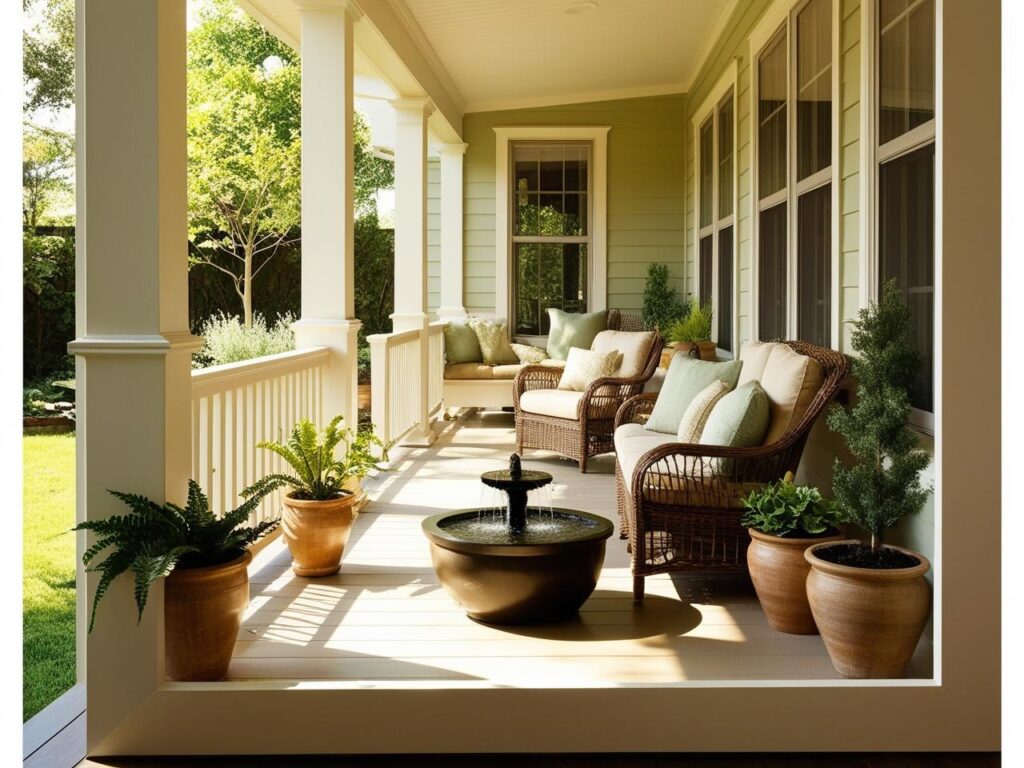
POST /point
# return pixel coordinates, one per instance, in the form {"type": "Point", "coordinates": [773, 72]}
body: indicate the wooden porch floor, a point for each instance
{"type": "Point", "coordinates": [385, 620]}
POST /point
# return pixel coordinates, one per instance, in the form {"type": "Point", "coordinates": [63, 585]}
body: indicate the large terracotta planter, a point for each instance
{"type": "Point", "coordinates": [203, 610]}
{"type": "Point", "coordinates": [779, 572]}
{"type": "Point", "coordinates": [316, 533]}
{"type": "Point", "coordinates": [870, 618]}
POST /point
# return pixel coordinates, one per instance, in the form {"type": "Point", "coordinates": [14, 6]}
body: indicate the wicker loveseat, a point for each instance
{"type": "Point", "coordinates": [679, 503]}
{"type": "Point", "coordinates": [580, 424]}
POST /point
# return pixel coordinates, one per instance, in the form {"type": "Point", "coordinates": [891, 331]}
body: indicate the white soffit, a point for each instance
{"type": "Point", "coordinates": [503, 54]}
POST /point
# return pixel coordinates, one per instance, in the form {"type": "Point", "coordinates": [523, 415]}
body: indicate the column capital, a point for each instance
{"type": "Point", "coordinates": [349, 7]}
{"type": "Point", "coordinates": [452, 149]}
{"type": "Point", "coordinates": [413, 104]}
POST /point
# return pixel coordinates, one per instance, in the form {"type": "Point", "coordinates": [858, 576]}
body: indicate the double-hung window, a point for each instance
{"type": "Point", "coordinates": [904, 162]}
{"type": "Point", "coordinates": [795, 186]}
{"type": "Point", "coordinates": [715, 237]}
{"type": "Point", "coordinates": [550, 231]}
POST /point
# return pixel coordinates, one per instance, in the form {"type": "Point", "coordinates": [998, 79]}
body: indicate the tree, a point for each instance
{"type": "Point", "coordinates": [49, 56]}
{"type": "Point", "coordinates": [661, 307]}
{"type": "Point", "coordinates": [244, 121]}
{"type": "Point", "coordinates": [883, 484]}
{"type": "Point", "coordinates": [48, 156]}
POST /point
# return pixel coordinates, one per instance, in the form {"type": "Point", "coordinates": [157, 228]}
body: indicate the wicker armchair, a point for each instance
{"type": "Point", "coordinates": [680, 507]}
{"type": "Point", "coordinates": [590, 431]}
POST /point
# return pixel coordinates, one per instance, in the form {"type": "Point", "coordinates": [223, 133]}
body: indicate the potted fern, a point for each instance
{"type": "Point", "coordinates": [691, 333]}
{"type": "Point", "coordinates": [205, 559]}
{"type": "Point", "coordinates": [870, 600]}
{"type": "Point", "coordinates": [783, 520]}
{"type": "Point", "coordinates": [318, 510]}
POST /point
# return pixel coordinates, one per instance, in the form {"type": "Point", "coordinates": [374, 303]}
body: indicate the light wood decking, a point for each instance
{"type": "Point", "coordinates": [385, 620]}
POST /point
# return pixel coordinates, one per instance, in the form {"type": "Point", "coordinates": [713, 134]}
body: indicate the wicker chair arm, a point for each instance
{"type": "Point", "coordinates": [535, 377]}
{"type": "Point", "coordinates": [634, 407]}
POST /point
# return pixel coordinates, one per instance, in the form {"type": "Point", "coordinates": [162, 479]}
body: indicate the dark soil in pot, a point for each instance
{"type": "Point", "coordinates": [863, 556]}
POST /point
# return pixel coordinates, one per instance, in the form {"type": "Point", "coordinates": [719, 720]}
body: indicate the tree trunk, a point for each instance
{"type": "Point", "coordinates": [247, 287]}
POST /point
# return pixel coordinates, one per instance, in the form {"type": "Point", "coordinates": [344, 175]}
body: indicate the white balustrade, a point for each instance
{"type": "Point", "coordinates": [235, 406]}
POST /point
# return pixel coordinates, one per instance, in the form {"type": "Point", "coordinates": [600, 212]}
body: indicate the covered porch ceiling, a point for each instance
{"type": "Point", "coordinates": [487, 55]}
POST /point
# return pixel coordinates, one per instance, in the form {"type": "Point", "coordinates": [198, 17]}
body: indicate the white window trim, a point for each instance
{"type": "Point", "coordinates": [709, 109]}
{"type": "Point", "coordinates": [872, 155]}
{"type": "Point", "coordinates": [779, 13]}
{"type": "Point", "coordinates": [597, 281]}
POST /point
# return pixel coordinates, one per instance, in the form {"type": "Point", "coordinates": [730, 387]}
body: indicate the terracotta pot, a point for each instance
{"type": "Point", "coordinates": [869, 618]}
{"type": "Point", "coordinates": [779, 572]}
{"type": "Point", "coordinates": [316, 533]}
{"type": "Point", "coordinates": [702, 350]}
{"type": "Point", "coordinates": [203, 610]}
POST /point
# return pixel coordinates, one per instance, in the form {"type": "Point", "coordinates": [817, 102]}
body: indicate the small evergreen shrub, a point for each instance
{"type": "Point", "coordinates": [229, 341]}
{"type": "Point", "coordinates": [661, 306]}
{"type": "Point", "coordinates": [694, 326]}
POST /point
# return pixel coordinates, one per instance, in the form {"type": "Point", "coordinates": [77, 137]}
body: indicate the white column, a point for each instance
{"type": "Point", "coordinates": [411, 243]}
{"type": "Point", "coordinates": [328, 271]}
{"type": "Point", "coordinates": [133, 346]}
{"type": "Point", "coordinates": [452, 306]}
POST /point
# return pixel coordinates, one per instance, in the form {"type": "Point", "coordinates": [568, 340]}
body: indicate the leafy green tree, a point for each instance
{"type": "Point", "coordinates": [661, 305]}
{"type": "Point", "coordinates": [883, 484]}
{"type": "Point", "coordinates": [49, 55]}
{"type": "Point", "coordinates": [48, 156]}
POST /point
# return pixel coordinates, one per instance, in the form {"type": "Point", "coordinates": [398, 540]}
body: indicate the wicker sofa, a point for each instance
{"type": "Point", "coordinates": [678, 503]}
{"type": "Point", "coordinates": [477, 385]}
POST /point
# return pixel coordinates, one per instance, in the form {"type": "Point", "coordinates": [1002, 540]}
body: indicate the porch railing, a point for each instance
{"type": "Point", "coordinates": [396, 375]}
{"type": "Point", "coordinates": [234, 406]}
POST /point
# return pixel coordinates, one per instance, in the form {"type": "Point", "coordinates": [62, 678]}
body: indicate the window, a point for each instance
{"type": "Point", "coordinates": [795, 155]}
{"type": "Point", "coordinates": [550, 231]}
{"type": "Point", "coordinates": [905, 158]}
{"type": "Point", "coordinates": [715, 248]}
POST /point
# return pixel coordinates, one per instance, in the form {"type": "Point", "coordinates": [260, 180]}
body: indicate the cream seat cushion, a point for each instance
{"type": "Point", "coordinates": [561, 403]}
{"type": "Point", "coordinates": [478, 371]}
{"type": "Point", "coordinates": [790, 380]}
{"type": "Point", "coordinates": [634, 346]}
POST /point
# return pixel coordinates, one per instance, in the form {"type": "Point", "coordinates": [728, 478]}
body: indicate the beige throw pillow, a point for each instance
{"type": "Point", "coordinates": [696, 415]}
{"type": "Point", "coordinates": [529, 355]}
{"type": "Point", "coordinates": [583, 367]}
{"type": "Point", "coordinates": [494, 344]}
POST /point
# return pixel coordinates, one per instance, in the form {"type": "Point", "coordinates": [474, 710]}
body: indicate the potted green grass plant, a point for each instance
{"type": "Point", "coordinates": [783, 520]}
{"type": "Point", "coordinates": [319, 508]}
{"type": "Point", "coordinates": [870, 600]}
{"type": "Point", "coordinates": [205, 559]}
{"type": "Point", "coordinates": [691, 333]}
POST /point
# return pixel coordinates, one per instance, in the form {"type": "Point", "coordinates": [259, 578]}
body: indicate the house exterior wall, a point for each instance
{"type": "Point", "coordinates": [433, 234]}
{"type": "Point", "coordinates": [646, 172]}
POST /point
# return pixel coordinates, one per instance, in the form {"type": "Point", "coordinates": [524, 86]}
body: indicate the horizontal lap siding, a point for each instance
{"type": "Point", "coordinates": [433, 234]}
{"type": "Point", "coordinates": [646, 171]}
{"type": "Point", "coordinates": [849, 170]}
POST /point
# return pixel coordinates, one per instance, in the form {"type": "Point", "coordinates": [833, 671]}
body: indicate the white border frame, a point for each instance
{"type": "Point", "coordinates": [597, 135]}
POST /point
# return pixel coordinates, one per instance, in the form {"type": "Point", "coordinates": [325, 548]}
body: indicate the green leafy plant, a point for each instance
{"type": "Point", "coordinates": [228, 340]}
{"type": "Point", "coordinates": [787, 510]}
{"type": "Point", "coordinates": [883, 484]}
{"type": "Point", "coordinates": [661, 305]}
{"type": "Point", "coordinates": [694, 326]}
{"type": "Point", "coordinates": [318, 474]}
{"type": "Point", "coordinates": [153, 539]}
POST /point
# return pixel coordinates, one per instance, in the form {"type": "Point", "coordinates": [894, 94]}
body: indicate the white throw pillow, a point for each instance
{"type": "Point", "coordinates": [696, 415]}
{"type": "Point", "coordinates": [583, 367]}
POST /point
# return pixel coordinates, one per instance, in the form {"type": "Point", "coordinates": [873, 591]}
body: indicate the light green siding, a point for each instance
{"type": "Point", "coordinates": [433, 234]}
{"type": "Point", "coordinates": [849, 169]}
{"type": "Point", "coordinates": [646, 169]}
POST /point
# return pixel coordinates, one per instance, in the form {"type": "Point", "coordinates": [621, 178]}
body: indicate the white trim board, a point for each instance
{"type": "Point", "coordinates": [598, 256]}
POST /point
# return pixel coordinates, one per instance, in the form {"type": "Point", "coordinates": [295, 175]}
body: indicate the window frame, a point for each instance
{"type": "Point", "coordinates": [873, 155]}
{"type": "Point", "coordinates": [710, 109]}
{"type": "Point", "coordinates": [782, 15]}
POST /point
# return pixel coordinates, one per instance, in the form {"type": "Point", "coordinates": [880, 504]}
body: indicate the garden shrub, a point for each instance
{"type": "Point", "coordinates": [229, 341]}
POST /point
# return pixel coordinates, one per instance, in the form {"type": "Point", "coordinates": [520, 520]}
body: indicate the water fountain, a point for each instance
{"type": "Point", "coordinates": [518, 564]}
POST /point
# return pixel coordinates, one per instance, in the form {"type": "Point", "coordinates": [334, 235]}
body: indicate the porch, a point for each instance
{"type": "Point", "coordinates": [385, 620]}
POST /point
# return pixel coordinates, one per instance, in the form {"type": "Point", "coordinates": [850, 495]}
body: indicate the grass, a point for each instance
{"type": "Point", "coordinates": [49, 569]}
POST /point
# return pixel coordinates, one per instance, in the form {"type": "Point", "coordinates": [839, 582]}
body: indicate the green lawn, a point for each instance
{"type": "Point", "coordinates": [49, 569]}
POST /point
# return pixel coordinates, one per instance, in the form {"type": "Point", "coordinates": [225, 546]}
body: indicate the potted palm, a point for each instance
{"type": "Point", "coordinates": [318, 510]}
{"type": "Point", "coordinates": [783, 520]}
{"type": "Point", "coordinates": [691, 333]}
{"type": "Point", "coordinates": [205, 559]}
{"type": "Point", "coordinates": [870, 600]}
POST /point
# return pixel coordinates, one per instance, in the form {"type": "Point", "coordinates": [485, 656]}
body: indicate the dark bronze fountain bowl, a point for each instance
{"type": "Point", "coordinates": [537, 576]}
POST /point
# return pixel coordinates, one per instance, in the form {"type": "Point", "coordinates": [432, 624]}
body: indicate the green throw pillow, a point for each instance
{"type": "Point", "coordinates": [740, 419]}
{"type": "Point", "coordinates": [685, 379]}
{"type": "Point", "coordinates": [569, 329]}
{"type": "Point", "coordinates": [461, 344]}
{"type": "Point", "coordinates": [493, 338]}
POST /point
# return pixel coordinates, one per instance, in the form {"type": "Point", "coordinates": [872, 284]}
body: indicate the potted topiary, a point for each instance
{"type": "Point", "coordinates": [318, 510]}
{"type": "Point", "coordinates": [783, 520]}
{"type": "Point", "coordinates": [205, 559]}
{"type": "Point", "coordinates": [661, 306]}
{"type": "Point", "coordinates": [691, 334]}
{"type": "Point", "coordinates": [871, 601]}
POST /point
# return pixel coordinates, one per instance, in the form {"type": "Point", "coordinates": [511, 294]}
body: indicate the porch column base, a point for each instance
{"type": "Point", "coordinates": [341, 385]}
{"type": "Point", "coordinates": [423, 434]}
